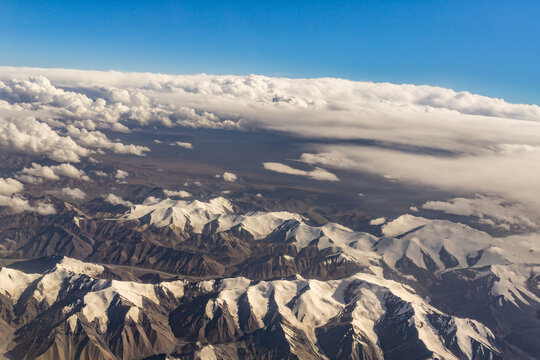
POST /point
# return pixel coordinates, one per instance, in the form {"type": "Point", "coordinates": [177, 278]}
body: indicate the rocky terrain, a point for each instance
{"type": "Point", "coordinates": [174, 278]}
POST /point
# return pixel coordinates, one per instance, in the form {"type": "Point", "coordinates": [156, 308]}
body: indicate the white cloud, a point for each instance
{"type": "Point", "coordinates": [28, 136]}
{"type": "Point", "coordinates": [100, 173]}
{"type": "Point", "coordinates": [69, 170]}
{"type": "Point", "coordinates": [10, 186]}
{"type": "Point", "coordinates": [98, 140]}
{"type": "Point", "coordinates": [74, 193]}
{"type": "Point", "coordinates": [317, 173]}
{"type": "Point", "coordinates": [488, 210]}
{"type": "Point", "coordinates": [511, 177]}
{"type": "Point", "coordinates": [54, 172]}
{"type": "Point", "coordinates": [185, 145]}
{"type": "Point", "coordinates": [116, 200]}
{"type": "Point", "coordinates": [227, 176]}
{"type": "Point", "coordinates": [18, 204]}
{"type": "Point", "coordinates": [41, 171]}
{"type": "Point", "coordinates": [418, 134]}
{"type": "Point", "coordinates": [328, 108]}
{"type": "Point", "coordinates": [29, 179]}
{"type": "Point", "coordinates": [121, 174]}
{"type": "Point", "coordinates": [179, 193]}
{"type": "Point", "coordinates": [39, 118]}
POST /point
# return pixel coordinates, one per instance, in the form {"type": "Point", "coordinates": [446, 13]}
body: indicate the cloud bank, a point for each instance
{"type": "Point", "coordinates": [54, 172]}
{"type": "Point", "coordinates": [9, 197]}
{"type": "Point", "coordinates": [116, 200]}
{"type": "Point", "coordinates": [424, 135]}
{"type": "Point", "coordinates": [227, 176]}
{"type": "Point", "coordinates": [487, 210]}
{"type": "Point", "coordinates": [185, 145]}
{"type": "Point", "coordinates": [317, 173]}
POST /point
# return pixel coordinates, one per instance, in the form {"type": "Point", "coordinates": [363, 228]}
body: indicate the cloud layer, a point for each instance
{"type": "Point", "coordinates": [487, 210]}
{"type": "Point", "coordinates": [317, 173]}
{"type": "Point", "coordinates": [425, 135]}
{"type": "Point", "coordinates": [54, 172]}
{"type": "Point", "coordinates": [9, 197]}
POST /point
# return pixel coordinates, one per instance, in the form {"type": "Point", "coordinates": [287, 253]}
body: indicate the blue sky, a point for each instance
{"type": "Point", "coordinates": [486, 47]}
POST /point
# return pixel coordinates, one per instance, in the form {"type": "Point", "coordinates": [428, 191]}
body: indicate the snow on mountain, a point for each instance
{"type": "Point", "coordinates": [433, 245]}
{"type": "Point", "coordinates": [436, 238]}
{"type": "Point", "coordinates": [197, 214]}
{"type": "Point", "coordinates": [97, 302]}
{"type": "Point", "coordinates": [14, 282]}
{"type": "Point", "coordinates": [259, 224]}
{"type": "Point", "coordinates": [402, 224]}
{"type": "Point", "coordinates": [455, 245]}
{"type": "Point", "coordinates": [368, 302]}
{"type": "Point", "coordinates": [79, 267]}
{"type": "Point", "coordinates": [351, 245]}
{"type": "Point", "coordinates": [511, 283]}
{"type": "Point", "coordinates": [179, 212]}
{"type": "Point", "coordinates": [308, 304]}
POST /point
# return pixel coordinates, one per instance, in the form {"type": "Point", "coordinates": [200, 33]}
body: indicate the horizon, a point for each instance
{"type": "Point", "coordinates": [486, 48]}
{"type": "Point", "coordinates": [33, 68]}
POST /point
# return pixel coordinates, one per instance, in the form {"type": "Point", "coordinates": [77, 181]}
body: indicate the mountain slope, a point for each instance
{"type": "Point", "coordinates": [68, 310]}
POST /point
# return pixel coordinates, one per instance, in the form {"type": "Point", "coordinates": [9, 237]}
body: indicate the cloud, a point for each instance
{"type": "Point", "coordinates": [326, 108]}
{"type": "Point", "coordinates": [16, 203]}
{"type": "Point", "coordinates": [116, 200]}
{"type": "Point", "coordinates": [488, 210]}
{"type": "Point", "coordinates": [121, 174]}
{"type": "Point", "coordinates": [26, 135]}
{"type": "Point", "coordinates": [98, 140]}
{"type": "Point", "coordinates": [10, 186]}
{"type": "Point", "coordinates": [100, 173]}
{"type": "Point", "coordinates": [227, 176]}
{"type": "Point", "coordinates": [510, 176]}
{"type": "Point", "coordinates": [423, 135]}
{"type": "Point", "coordinates": [62, 124]}
{"type": "Point", "coordinates": [179, 193]}
{"type": "Point", "coordinates": [54, 172]}
{"type": "Point", "coordinates": [317, 173]}
{"type": "Point", "coordinates": [185, 145]}
{"type": "Point", "coordinates": [38, 94]}
{"type": "Point", "coordinates": [29, 179]}
{"type": "Point", "coordinates": [74, 193]}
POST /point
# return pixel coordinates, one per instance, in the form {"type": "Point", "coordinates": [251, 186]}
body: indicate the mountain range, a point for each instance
{"type": "Point", "coordinates": [169, 278]}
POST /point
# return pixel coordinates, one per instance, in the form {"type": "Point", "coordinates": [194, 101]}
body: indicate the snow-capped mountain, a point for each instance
{"type": "Point", "coordinates": [99, 318]}
{"type": "Point", "coordinates": [202, 279]}
{"type": "Point", "coordinates": [195, 215]}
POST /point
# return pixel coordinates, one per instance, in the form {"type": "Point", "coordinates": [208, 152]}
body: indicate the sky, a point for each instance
{"type": "Point", "coordinates": [485, 47]}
